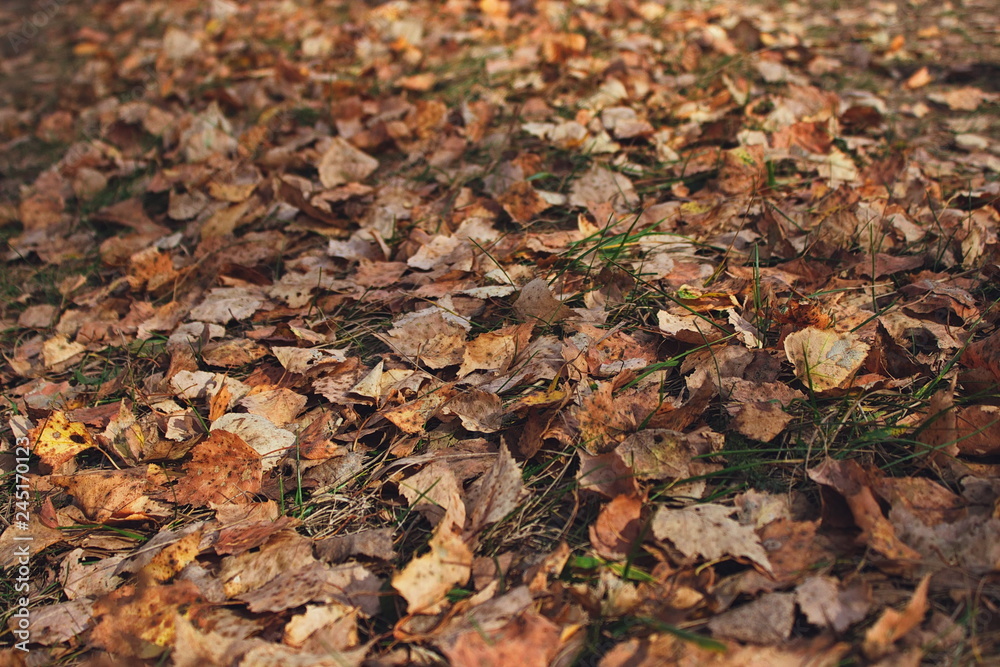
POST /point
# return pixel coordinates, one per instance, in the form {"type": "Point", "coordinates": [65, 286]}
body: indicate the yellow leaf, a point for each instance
{"type": "Point", "coordinates": [57, 439]}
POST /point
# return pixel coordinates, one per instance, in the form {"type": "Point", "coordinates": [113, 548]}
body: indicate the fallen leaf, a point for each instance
{"type": "Point", "coordinates": [707, 531]}
{"type": "Point", "coordinates": [61, 622]}
{"type": "Point", "coordinates": [893, 625]}
{"type": "Point", "coordinates": [435, 493]}
{"type": "Point", "coordinates": [824, 359]}
{"type": "Point", "coordinates": [139, 622]}
{"type": "Point", "coordinates": [479, 411]}
{"type": "Point", "coordinates": [528, 639]}
{"type": "Point", "coordinates": [428, 336]}
{"type": "Point", "coordinates": [616, 530]}
{"type": "Point", "coordinates": [536, 303]}
{"type": "Point", "coordinates": [57, 439]}
{"type": "Point", "coordinates": [59, 350]}
{"type": "Point", "coordinates": [350, 584]}
{"type": "Point", "coordinates": [223, 469]}
{"type": "Point", "coordinates": [496, 494]}
{"type": "Point", "coordinates": [426, 579]}
{"type": "Point", "coordinates": [224, 304]}
{"type": "Point", "coordinates": [170, 560]}
{"type": "Point", "coordinates": [121, 495]}
{"type": "Point", "coordinates": [269, 441]}
{"type": "Point", "coordinates": [343, 163]}
{"type": "Point", "coordinates": [766, 620]}
{"type": "Point", "coordinates": [522, 202]}
{"type": "Point", "coordinates": [827, 604]}
{"type": "Point", "coordinates": [848, 479]}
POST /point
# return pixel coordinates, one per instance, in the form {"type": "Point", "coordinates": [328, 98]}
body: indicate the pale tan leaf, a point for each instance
{"type": "Point", "coordinates": [426, 579]}
{"type": "Point", "coordinates": [707, 531]}
{"type": "Point", "coordinates": [825, 359]}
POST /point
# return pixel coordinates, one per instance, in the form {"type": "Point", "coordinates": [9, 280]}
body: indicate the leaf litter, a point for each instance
{"type": "Point", "coordinates": [565, 333]}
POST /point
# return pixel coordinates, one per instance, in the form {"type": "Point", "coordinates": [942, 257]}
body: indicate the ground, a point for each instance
{"type": "Point", "coordinates": [468, 332]}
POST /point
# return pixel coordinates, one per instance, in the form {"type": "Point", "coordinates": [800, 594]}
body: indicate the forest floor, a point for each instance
{"type": "Point", "coordinates": [595, 333]}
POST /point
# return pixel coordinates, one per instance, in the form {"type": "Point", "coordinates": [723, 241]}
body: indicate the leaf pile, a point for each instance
{"type": "Point", "coordinates": [470, 332]}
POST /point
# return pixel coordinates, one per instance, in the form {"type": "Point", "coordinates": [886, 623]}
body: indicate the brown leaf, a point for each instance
{"type": "Point", "coordinates": [496, 494]}
{"type": "Point", "coordinates": [370, 543]}
{"type": "Point", "coordinates": [15, 540]}
{"type": "Point", "coordinates": [984, 353]}
{"type": "Point", "coordinates": [760, 421]}
{"type": "Point", "coordinates": [349, 584]}
{"type": "Point", "coordinates": [602, 186]}
{"type": "Point", "coordinates": [233, 352]}
{"type": "Point", "coordinates": [528, 639]}
{"type": "Point", "coordinates": [243, 536]}
{"type": "Point", "coordinates": [892, 624]}
{"type": "Point", "coordinates": [430, 336]}
{"type": "Point", "coordinates": [536, 303]}
{"type": "Point", "coordinates": [122, 495]}
{"type": "Point", "coordinates": [522, 202]}
{"type": "Point", "coordinates": [411, 417]}
{"type": "Point", "coordinates": [849, 480]}
{"type": "Point", "coordinates": [343, 163]}
{"type": "Point", "coordinates": [616, 530]}
{"type": "Point", "coordinates": [793, 548]}
{"type": "Point", "coordinates": [224, 304]}
{"type": "Point", "coordinates": [271, 442]}
{"type": "Point", "coordinates": [606, 474]}
{"type": "Point", "coordinates": [664, 454]}
{"type": "Point", "coordinates": [742, 170]}
{"type": "Point", "coordinates": [479, 411]}
{"type": "Point", "coordinates": [285, 551]}
{"type": "Point", "coordinates": [139, 621]}
{"type": "Point", "coordinates": [59, 623]}
{"type": "Point", "coordinates": [278, 405]}
{"type": "Point", "coordinates": [494, 350]}
{"type": "Point", "coordinates": [435, 493]}
{"type": "Point", "coordinates": [223, 469]}
{"type": "Point", "coordinates": [170, 560]}
{"type": "Point", "coordinates": [668, 649]}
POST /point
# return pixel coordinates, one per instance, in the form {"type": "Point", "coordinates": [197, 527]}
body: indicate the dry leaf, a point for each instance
{"type": "Point", "coordinates": [826, 604]}
{"type": "Point", "coordinates": [616, 530]}
{"type": "Point", "coordinates": [496, 494]}
{"type": "Point", "coordinates": [428, 336]}
{"type": "Point", "coordinates": [522, 202]}
{"type": "Point", "coordinates": [435, 493]}
{"type": "Point", "coordinates": [343, 163]}
{"type": "Point", "coordinates": [528, 639]}
{"type": "Point", "coordinates": [57, 439]}
{"type": "Point", "coordinates": [848, 479]}
{"type": "Point", "coordinates": [426, 579]}
{"type": "Point", "coordinates": [766, 620]}
{"type": "Point", "coordinates": [892, 624]}
{"type": "Point", "coordinates": [536, 303]}
{"type": "Point", "coordinates": [138, 622]}
{"type": "Point", "coordinates": [707, 531]}
{"type": "Point", "coordinates": [223, 469]}
{"type": "Point", "coordinates": [269, 441]}
{"type": "Point", "coordinates": [824, 359]}
{"type": "Point", "coordinates": [121, 495]}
